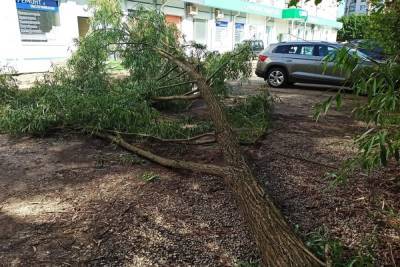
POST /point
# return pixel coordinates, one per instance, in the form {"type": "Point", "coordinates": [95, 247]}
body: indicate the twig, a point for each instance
{"type": "Point", "coordinates": [176, 97]}
{"type": "Point", "coordinates": [192, 92]}
{"type": "Point", "coordinates": [306, 160]}
{"type": "Point", "coordinates": [166, 74]}
{"type": "Point", "coordinates": [391, 255]}
{"type": "Point", "coordinates": [183, 140]}
{"type": "Point", "coordinates": [176, 76]}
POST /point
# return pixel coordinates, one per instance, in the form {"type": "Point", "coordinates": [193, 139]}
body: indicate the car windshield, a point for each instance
{"type": "Point", "coordinates": [359, 54]}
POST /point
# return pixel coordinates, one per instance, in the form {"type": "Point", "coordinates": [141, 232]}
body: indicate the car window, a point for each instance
{"type": "Point", "coordinates": [293, 49]}
{"type": "Point", "coordinates": [324, 50]}
{"type": "Point", "coordinates": [287, 49]}
{"type": "Point", "coordinates": [257, 45]}
{"type": "Point", "coordinates": [307, 50]}
{"type": "Point", "coordinates": [282, 49]}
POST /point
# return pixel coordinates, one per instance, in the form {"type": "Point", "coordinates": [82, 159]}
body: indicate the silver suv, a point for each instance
{"type": "Point", "coordinates": [290, 62]}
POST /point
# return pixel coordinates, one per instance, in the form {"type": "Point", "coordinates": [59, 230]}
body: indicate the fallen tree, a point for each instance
{"type": "Point", "coordinates": [84, 97]}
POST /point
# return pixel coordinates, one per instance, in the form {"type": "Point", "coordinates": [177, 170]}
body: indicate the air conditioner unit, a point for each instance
{"type": "Point", "coordinates": [219, 14]}
{"type": "Point", "coordinates": [192, 9]}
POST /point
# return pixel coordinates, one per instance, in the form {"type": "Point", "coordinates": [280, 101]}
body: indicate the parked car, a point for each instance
{"type": "Point", "coordinates": [290, 62]}
{"type": "Point", "coordinates": [257, 46]}
{"type": "Point", "coordinates": [370, 48]}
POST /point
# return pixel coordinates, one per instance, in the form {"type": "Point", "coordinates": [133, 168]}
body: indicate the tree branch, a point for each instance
{"type": "Point", "coordinates": [174, 85]}
{"type": "Point", "coordinates": [183, 140]}
{"type": "Point", "coordinates": [167, 73]}
{"type": "Point", "coordinates": [171, 163]}
{"type": "Point", "coordinates": [223, 65]}
{"type": "Point", "coordinates": [176, 97]}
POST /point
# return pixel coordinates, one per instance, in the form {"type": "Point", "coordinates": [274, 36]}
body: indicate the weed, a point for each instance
{"type": "Point", "coordinates": [332, 250]}
{"type": "Point", "coordinates": [149, 176]}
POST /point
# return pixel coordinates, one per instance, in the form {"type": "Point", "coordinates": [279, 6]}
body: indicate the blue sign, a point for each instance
{"type": "Point", "coordinates": [221, 23]}
{"type": "Point", "coordinates": [38, 5]}
{"type": "Point", "coordinates": [239, 26]}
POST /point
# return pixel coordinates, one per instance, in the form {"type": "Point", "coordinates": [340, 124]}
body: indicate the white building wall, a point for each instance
{"type": "Point", "coordinates": [40, 56]}
{"type": "Point", "coordinates": [10, 41]}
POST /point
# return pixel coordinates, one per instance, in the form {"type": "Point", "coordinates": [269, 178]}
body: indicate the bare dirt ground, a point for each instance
{"type": "Point", "coordinates": [68, 200]}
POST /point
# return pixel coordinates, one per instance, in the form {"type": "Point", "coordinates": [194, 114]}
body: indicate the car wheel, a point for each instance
{"type": "Point", "coordinates": [276, 77]}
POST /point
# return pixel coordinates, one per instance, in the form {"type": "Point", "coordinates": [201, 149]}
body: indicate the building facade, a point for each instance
{"type": "Point", "coordinates": [356, 7]}
{"type": "Point", "coordinates": [39, 33]}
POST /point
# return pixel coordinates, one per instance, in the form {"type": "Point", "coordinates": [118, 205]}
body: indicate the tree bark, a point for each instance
{"type": "Point", "coordinates": [277, 243]}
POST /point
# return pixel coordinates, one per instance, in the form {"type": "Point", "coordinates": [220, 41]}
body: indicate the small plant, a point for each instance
{"type": "Point", "coordinates": [149, 177]}
{"type": "Point", "coordinates": [333, 251]}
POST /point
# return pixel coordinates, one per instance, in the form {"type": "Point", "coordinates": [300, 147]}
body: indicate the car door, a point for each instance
{"type": "Point", "coordinates": [304, 65]}
{"type": "Point", "coordinates": [328, 71]}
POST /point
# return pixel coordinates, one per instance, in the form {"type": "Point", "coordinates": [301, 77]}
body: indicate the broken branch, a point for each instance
{"type": "Point", "coordinates": [177, 97]}
{"type": "Point", "coordinates": [171, 163]}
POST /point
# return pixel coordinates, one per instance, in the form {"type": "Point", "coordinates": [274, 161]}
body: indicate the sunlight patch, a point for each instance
{"type": "Point", "coordinates": [24, 208]}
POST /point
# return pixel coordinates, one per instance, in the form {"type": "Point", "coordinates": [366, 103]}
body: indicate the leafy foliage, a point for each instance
{"type": "Point", "coordinates": [380, 108]}
{"type": "Point", "coordinates": [250, 117]}
{"type": "Point", "coordinates": [84, 95]}
{"type": "Point", "coordinates": [8, 85]}
{"type": "Point", "coordinates": [354, 27]}
{"type": "Point", "coordinates": [384, 26]}
{"type": "Point", "coordinates": [333, 250]}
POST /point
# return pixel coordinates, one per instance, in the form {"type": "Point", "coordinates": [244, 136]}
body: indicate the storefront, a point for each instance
{"type": "Point", "coordinates": [40, 33]}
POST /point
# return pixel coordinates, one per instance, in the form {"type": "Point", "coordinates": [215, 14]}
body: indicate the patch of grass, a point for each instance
{"type": "Point", "coordinates": [149, 176]}
{"type": "Point", "coordinates": [114, 66]}
{"type": "Point", "coordinates": [332, 250]}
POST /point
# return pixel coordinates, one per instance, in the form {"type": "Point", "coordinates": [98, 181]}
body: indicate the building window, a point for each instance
{"type": "Point", "coordinates": [221, 30]}
{"type": "Point", "coordinates": [239, 32]}
{"type": "Point", "coordinates": [352, 8]}
{"type": "Point", "coordinates": [363, 8]}
{"type": "Point", "coordinates": [37, 18]}
{"type": "Point", "coordinates": [200, 31]}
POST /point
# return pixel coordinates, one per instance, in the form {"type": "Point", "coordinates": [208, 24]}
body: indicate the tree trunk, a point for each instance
{"type": "Point", "coordinates": [277, 243]}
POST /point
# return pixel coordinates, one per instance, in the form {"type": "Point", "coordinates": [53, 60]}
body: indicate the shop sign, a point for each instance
{"type": "Point", "coordinates": [239, 32]}
{"type": "Point", "coordinates": [38, 5]}
{"type": "Point", "coordinates": [245, 7]}
{"type": "Point", "coordinates": [294, 14]}
{"type": "Point", "coordinates": [239, 26]}
{"type": "Point", "coordinates": [199, 2]}
{"type": "Point", "coordinates": [220, 23]}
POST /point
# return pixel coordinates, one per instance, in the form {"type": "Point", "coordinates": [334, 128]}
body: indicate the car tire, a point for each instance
{"type": "Point", "coordinates": [277, 77]}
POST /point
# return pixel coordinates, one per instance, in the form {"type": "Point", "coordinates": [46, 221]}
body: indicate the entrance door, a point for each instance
{"type": "Point", "coordinates": [200, 31]}
{"type": "Point", "coordinates": [175, 20]}
{"type": "Point", "coordinates": [83, 26]}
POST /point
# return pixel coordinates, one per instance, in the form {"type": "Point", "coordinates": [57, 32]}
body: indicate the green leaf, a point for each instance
{"type": "Point", "coordinates": [397, 155]}
{"type": "Point", "coordinates": [339, 100]}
